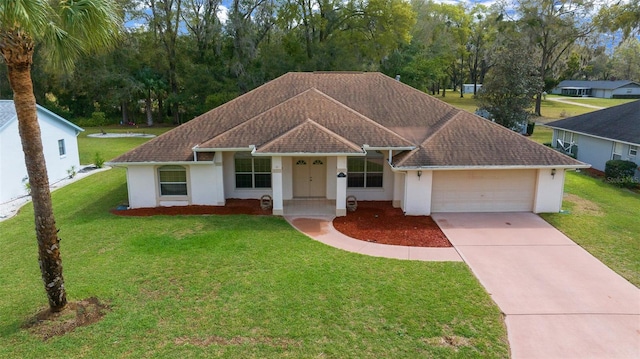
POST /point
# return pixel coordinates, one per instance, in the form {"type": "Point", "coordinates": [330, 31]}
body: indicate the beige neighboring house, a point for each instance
{"type": "Point", "coordinates": [328, 136]}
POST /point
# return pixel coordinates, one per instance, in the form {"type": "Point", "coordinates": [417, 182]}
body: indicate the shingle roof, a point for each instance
{"type": "Point", "coordinates": [606, 85]}
{"type": "Point", "coordinates": [620, 123]}
{"type": "Point", "coordinates": [310, 137]}
{"type": "Point", "coordinates": [8, 114]}
{"type": "Point", "coordinates": [340, 113]}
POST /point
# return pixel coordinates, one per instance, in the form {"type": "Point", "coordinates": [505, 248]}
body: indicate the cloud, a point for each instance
{"type": "Point", "coordinates": [223, 14]}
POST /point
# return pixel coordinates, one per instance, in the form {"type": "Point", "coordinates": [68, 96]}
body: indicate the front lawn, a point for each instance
{"type": "Point", "coordinates": [603, 219]}
{"type": "Point", "coordinates": [233, 287]}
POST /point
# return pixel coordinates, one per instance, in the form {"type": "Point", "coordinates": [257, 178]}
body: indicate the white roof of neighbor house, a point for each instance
{"type": "Point", "coordinates": [8, 114]}
{"type": "Point", "coordinates": [606, 85]}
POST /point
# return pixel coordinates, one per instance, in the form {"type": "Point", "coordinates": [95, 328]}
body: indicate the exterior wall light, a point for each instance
{"type": "Point", "coordinates": [553, 173]}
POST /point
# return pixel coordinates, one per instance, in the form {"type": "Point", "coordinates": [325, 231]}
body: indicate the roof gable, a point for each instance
{"type": "Point", "coordinates": [621, 123]}
{"type": "Point", "coordinates": [468, 140]}
{"type": "Point", "coordinates": [310, 104]}
{"type": "Point", "coordinates": [8, 114]}
{"type": "Point", "coordinates": [310, 137]}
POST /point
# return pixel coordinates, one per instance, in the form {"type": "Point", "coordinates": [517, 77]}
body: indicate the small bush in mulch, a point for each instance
{"type": "Point", "coordinates": [379, 222]}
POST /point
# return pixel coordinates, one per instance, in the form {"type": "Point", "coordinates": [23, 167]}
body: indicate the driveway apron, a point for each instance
{"type": "Point", "coordinates": [559, 300]}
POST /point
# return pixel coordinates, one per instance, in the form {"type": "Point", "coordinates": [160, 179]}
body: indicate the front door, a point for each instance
{"type": "Point", "coordinates": [309, 177]}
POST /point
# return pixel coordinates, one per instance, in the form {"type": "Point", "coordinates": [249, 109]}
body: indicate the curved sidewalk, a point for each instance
{"type": "Point", "coordinates": [322, 230]}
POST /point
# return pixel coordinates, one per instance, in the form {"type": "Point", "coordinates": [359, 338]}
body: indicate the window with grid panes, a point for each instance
{"type": "Point", "coordinates": [252, 172]}
{"type": "Point", "coordinates": [365, 172]}
{"type": "Point", "coordinates": [173, 180]}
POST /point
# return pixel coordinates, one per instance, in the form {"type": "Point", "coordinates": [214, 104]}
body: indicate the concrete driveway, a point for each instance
{"type": "Point", "coordinates": [559, 300]}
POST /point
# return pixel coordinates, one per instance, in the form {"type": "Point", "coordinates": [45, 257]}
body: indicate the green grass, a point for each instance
{"type": "Point", "coordinates": [603, 219]}
{"type": "Point", "coordinates": [602, 102]}
{"type": "Point", "coordinates": [550, 110]}
{"type": "Point", "coordinates": [109, 148]}
{"type": "Point", "coordinates": [233, 287]}
{"type": "Point", "coordinates": [553, 110]}
{"type": "Point", "coordinates": [542, 134]}
{"type": "Point", "coordinates": [468, 103]}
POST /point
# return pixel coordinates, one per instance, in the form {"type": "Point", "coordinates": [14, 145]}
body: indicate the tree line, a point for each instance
{"type": "Point", "coordinates": [179, 58]}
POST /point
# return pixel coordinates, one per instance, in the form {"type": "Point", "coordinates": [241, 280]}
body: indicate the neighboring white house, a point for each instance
{"type": "Point", "coordinates": [328, 136]}
{"type": "Point", "coordinates": [602, 89]}
{"type": "Point", "coordinates": [468, 88]}
{"type": "Point", "coordinates": [60, 146]}
{"type": "Point", "coordinates": [597, 137]}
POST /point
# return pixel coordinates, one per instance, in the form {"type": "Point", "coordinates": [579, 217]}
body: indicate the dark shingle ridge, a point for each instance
{"type": "Point", "coordinates": [369, 108]}
{"type": "Point", "coordinates": [621, 123]}
{"type": "Point", "coordinates": [310, 137]}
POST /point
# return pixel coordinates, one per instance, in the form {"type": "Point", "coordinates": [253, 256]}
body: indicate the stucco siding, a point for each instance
{"type": "Point", "coordinates": [418, 193]}
{"type": "Point", "coordinates": [142, 186]}
{"type": "Point", "coordinates": [549, 190]}
{"type": "Point", "coordinates": [12, 167]}
{"type": "Point", "coordinates": [595, 151]}
{"type": "Point", "coordinates": [230, 190]}
{"type": "Point", "coordinates": [52, 132]}
{"type": "Point", "coordinates": [375, 194]}
{"type": "Point", "coordinates": [203, 185]}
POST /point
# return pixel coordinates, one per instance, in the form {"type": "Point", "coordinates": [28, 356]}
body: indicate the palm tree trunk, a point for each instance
{"type": "Point", "coordinates": [19, 59]}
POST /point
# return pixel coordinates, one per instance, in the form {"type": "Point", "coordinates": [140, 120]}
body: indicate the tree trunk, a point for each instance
{"type": "Point", "coordinates": [125, 112]}
{"type": "Point", "coordinates": [18, 58]}
{"type": "Point", "coordinates": [148, 109]}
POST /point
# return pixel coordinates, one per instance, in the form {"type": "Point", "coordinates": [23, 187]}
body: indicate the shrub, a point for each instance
{"type": "Point", "coordinates": [98, 161]}
{"type": "Point", "coordinates": [620, 172]}
{"type": "Point", "coordinates": [72, 172]}
{"type": "Point", "coordinates": [97, 119]}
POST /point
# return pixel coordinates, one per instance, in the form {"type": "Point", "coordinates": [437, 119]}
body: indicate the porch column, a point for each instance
{"type": "Point", "coordinates": [218, 179]}
{"type": "Point", "coordinates": [417, 195]}
{"type": "Point", "coordinates": [276, 185]}
{"type": "Point", "coordinates": [398, 189]}
{"type": "Point", "coordinates": [341, 186]}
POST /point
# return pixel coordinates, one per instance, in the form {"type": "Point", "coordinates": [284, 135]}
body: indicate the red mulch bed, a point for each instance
{"type": "Point", "coordinates": [373, 221]}
{"type": "Point", "coordinates": [379, 222]}
{"type": "Point", "coordinates": [593, 172]}
{"type": "Point", "coordinates": [232, 206]}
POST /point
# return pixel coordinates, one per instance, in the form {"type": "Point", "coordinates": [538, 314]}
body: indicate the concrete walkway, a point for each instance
{"type": "Point", "coordinates": [321, 229]}
{"type": "Point", "coordinates": [559, 300]}
{"type": "Point", "coordinates": [10, 208]}
{"type": "Point", "coordinates": [569, 102]}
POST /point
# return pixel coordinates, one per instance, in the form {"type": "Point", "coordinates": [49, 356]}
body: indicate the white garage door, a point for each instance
{"type": "Point", "coordinates": [483, 191]}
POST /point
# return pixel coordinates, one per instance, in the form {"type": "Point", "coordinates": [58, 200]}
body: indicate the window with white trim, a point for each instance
{"type": "Point", "coordinates": [633, 151]}
{"type": "Point", "coordinates": [252, 172]}
{"type": "Point", "coordinates": [173, 180]}
{"type": "Point", "coordinates": [365, 172]}
{"type": "Point", "coordinates": [62, 149]}
{"type": "Point", "coordinates": [617, 151]}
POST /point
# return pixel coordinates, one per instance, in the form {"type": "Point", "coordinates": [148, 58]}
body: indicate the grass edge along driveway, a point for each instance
{"type": "Point", "coordinates": [235, 287]}
{"type": "Point", "coordinates": [604, 220]}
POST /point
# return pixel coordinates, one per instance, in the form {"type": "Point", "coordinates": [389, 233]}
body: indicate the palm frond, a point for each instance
{"type": "Point", "coordinates": [29, 15]}
{"type": "Point", "coordinates": [96, 23]}
{"type": "Point", "coordinates": [62, 49]}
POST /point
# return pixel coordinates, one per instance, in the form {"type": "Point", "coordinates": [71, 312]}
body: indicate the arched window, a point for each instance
{"type": "Point", "coordinates": [173, 180]}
